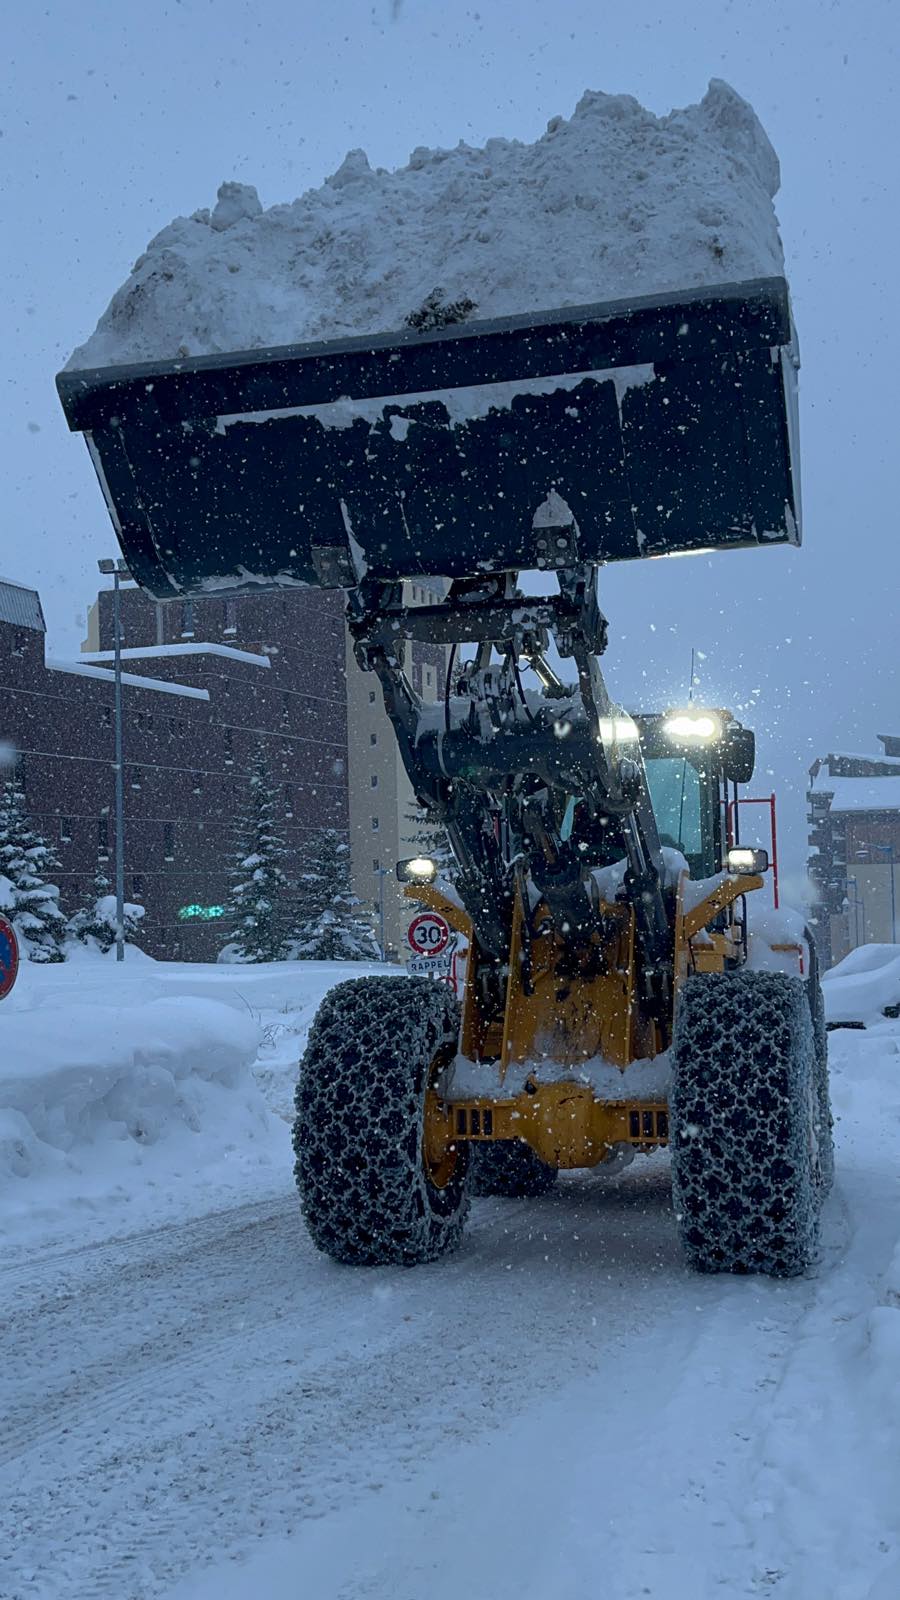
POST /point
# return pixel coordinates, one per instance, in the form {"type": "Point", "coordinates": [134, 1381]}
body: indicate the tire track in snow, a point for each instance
{"type": "Point", "coordinates": [338, 1379]}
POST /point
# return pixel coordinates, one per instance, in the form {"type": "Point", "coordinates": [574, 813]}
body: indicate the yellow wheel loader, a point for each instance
{"type": "Point", "coordinates": [610, 1007]}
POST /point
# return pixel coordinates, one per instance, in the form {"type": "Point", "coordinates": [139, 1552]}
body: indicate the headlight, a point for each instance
{"type": "Point", "coordinates": [418, 869]}
{"type": "Point", "coordinates": [618, 730]}
{"type": "Point", "coordinates": [746, 860]}
{"type": "Point", "coordinates": [697, 726]}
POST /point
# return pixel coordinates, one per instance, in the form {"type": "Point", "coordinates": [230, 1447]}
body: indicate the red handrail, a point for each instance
{"type": "Point", "coordinates": [756, 800]}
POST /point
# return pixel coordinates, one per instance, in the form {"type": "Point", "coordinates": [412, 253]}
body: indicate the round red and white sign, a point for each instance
{"type": "Point", "coordinates": [9, 957]}
{"type": "Point", "coordinates": [428, 934]}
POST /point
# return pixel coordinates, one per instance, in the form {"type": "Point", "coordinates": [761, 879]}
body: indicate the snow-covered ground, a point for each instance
{"type": "Point", "coordinates": [206, 1408]}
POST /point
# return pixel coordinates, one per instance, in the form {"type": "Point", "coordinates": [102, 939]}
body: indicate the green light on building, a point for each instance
{"type": "Point", "coordinates": [200, 913]}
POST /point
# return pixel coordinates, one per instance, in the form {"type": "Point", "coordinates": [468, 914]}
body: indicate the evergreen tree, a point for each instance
{"type": "Point", "coordinates": [328, 923]}
{"type": "Point", "coordinates": [28, 897]}
{"type": "Point", "coordinates": [430, 839]}
{"type": "Point", "coordinates": [95, 920]}
{"type": "Point", "coordinates": [258, 912]}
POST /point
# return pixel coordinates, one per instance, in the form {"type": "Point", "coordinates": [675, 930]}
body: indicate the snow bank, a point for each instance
{"type": "Point", "coordinates": [149, 1090]}
{"type": "Point", "coordinates": [613, 202]}
{"type": "Point", "coordinates": [860, 986]}
{"type": "Point", "coordinates": [73, 1081]}
{"type": "Point", "coordinates": [126, 1111]}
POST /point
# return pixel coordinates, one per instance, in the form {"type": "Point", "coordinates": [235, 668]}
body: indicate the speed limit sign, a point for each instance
{"type": "Point", "coordinates": [428, 934]}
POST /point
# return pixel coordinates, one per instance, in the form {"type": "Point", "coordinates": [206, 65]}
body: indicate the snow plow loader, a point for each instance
{"type": "Point", "coordinates": [610, 1005]}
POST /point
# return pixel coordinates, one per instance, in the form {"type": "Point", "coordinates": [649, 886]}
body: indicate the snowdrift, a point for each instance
{"type": "Point", "coordinates": [859, 987]}
{"type": "Point", "coordinates": [128, 1108]}
{"type": "Point", "coordinates": [613, 202]}
{"type": "Point", "coordinates": [150, 1090]}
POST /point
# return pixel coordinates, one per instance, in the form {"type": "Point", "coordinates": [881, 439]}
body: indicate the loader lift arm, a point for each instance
{"type": "Point", "coordinates": [505, 767]}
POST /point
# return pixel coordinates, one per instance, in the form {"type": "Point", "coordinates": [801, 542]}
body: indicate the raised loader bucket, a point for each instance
{"type": "Point", "coordinates": [664, 425]}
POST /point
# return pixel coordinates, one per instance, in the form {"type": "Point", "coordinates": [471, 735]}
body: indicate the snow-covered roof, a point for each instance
{"type": "Point", "coordinates": [20, 605]}
{"type": "Point", "coordinates": [853, 755]}
{"type": "Point", "coordinates": [82, 669]}
{"type": "Point", "coordinates": [613, 201]}
{"type": "Point", "coordinates": [161, 651]}
{"type": "Point", "coordinates": [864, 794]}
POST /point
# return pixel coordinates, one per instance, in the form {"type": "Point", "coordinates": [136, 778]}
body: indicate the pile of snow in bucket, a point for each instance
{"type": "Point", "coordinates": [614, 202]}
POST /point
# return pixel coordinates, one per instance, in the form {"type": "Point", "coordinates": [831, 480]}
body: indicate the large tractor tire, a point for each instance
{"type": "Point", "coordinates": [825, 1121]}
{"type": "Point", "coordinates": [744, 1110]}
{"type": "Point", "coordinates": [509, 1167]}
{"type": "Point", "coordinates": [368, 1191]}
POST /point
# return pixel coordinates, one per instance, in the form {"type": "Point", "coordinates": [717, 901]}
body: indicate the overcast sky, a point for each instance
{"type": "Point", "coordinates": [118, 116]}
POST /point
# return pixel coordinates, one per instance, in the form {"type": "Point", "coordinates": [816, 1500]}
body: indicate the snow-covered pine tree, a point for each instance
{"type": "Point", "coordinates": [95, 920]}
{"type": "Point", "coordinates": [329, 925]}
{"type": "Point", "coordinates": [258, 909]}
{"type": "Point", "coordinates": [28, 896]}
{"type": "Point", "coordinates": [430, 839]}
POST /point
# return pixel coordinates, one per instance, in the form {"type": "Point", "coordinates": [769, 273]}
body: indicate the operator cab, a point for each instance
{"type": "Point", "coordinates": [691, 758]}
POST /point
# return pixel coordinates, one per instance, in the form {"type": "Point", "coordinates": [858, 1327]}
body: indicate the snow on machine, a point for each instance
{"type": "Point", "coordinates": [609, 1006]}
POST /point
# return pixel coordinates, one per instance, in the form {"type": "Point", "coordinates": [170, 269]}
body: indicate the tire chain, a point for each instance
{"type": "Point", "coordinates": [746, 1182]}
{"type": "Point", "coordinates": [364, 1191]}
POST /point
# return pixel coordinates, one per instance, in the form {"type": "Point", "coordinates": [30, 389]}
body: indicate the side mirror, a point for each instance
{"type": "Point", "coordinates": [739, 755]}
{"type": "Point", "coordinates": [417, 869]}
{"type": "Point", "coordinates": [746, 861]}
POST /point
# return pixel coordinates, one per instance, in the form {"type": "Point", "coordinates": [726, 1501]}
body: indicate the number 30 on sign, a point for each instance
{"type": "Point", "coordinates": [428, 934]}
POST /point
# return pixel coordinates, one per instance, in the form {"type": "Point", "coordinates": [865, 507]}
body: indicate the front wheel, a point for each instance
{"type": "Point", "coordinates": [372, 1189]}
{"type": "Point", "coordinates": [745, 1118]}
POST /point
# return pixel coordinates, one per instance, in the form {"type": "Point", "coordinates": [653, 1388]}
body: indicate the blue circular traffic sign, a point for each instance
{"type": "Point", "coordinates": [9, 956]}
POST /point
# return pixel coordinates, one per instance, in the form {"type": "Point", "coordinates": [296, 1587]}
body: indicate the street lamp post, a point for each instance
{"type": "Point", "coordinates": [118, 569]}
{"type": "Point", "coordinates": [857, 902]}
{"type": "Point", "coordinates": [888, 850]}
{"type": "Point", "coordinates": [383, 872]}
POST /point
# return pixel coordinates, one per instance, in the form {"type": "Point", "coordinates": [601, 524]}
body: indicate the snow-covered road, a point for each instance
{"type": "Point", "coordinates": [557, 1411]}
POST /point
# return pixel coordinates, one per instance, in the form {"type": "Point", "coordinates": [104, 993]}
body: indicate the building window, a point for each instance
{"type": "Point", "coordinates": [20, 639]}
{"type": "Point", "coordinates": [135, 777]}
{"type": "Point", "coordinates": [103, 836]}
{"type": "Point", "coordinates": [187, 619]}
{"type": "Point", "coordinates": [376, 865]}
{"type": "Point", "coordinates": [231, 616]}
{"type": "Point", "coordinates": [374, 824]}
{"type": "Point", "coordinates": [150, 721]}
{"type": "Point", "coordinates": [229, 747]}
{"type": "Point", "coordinates": [371, 697]}
{"type": "Point", "coordinates": [288, 802]}
{"type": "Point", "coordinates": [65, 830]}
{"type": "Point", "coordinates": [137, 885]}
{"type": "Point", "coordinates": [107, 716]}
{"type": "Point", "coordinates": [169, 841]}
{"type": "Point", "coordinates": [373, 782]}
{"type": "Point", "coordinates": [373, 738]}
{"type": "Point", "coordinates": [139, 720]}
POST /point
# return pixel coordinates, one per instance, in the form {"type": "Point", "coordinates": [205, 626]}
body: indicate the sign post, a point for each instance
{"type": "Point", "coordinates": [9, 957]}
{"type": "Point", "coordinates": [431, 946]}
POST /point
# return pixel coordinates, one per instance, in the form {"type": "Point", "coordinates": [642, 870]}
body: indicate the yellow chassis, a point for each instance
{"type": "Point", "coordinates": [564, 1020]}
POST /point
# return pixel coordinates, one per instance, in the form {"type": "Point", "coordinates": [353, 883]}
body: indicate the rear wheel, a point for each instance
{"type": "Point", "coordinates": [746, 1179]}
{"type": "Point", "coordinates": [509, 1167]}
{"type": "Point", "coordinates": [373, 1189]}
